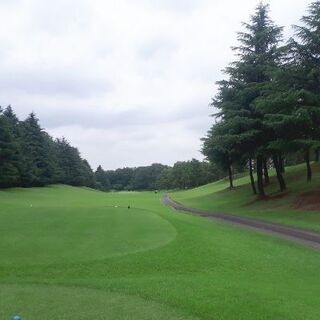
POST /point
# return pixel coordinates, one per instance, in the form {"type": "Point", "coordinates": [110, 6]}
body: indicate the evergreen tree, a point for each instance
{"type": "Point", "coordinates": [9, 171]}
{"type": "Point", "coordinates": [101, 179]}
{"type": "Point", "coordinates": [305, 62]}
{"type": "Point", "coordinates": [30, 157]}
{"type": "Point", "coordinates": [37, 168]}
{"type": "Point", "coordinates": [242, 131]}
{"type": "Point", "coordinates": [15, 129]}
{"type": "Point", "coordinates": [291, 102]}
{"type": "Point", "coordinates": [87, 174]}
{"type": "Point", "coordinates": [72, 169]}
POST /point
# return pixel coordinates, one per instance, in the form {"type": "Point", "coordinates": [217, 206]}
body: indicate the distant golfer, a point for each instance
{"type": "Point", "coordinates": [129, 207]}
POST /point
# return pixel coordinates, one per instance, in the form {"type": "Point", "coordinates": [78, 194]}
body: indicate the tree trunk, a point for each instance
{"type": "Point", "coordinates": [260, 176]}
{"type": "Point", "coordinates": [309, 170]}
{"type": "Point", "coordinates": [317, 158]}
{"type": "Point", "coordinates": [281, 164]}
{"type": "Point", "coordinates": [265, 172]}
{"type": "Point", "coordinates": [253, 185]}
{"type": "Point", "coordinates": [280, 178]}
{"type": "Point", "coordinates": [230, 177]}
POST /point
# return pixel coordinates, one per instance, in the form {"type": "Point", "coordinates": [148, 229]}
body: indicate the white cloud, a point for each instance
{"type": "Point", "coordinates": [128, 82]}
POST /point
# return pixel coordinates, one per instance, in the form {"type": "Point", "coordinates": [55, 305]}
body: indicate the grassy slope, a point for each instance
{"type": "Point", "coordinates": [195, 269]}
{"type": "Point", "coordinates": [279, 209]}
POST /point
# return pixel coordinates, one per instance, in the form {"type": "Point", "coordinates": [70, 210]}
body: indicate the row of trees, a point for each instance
{"type": "Point", "coordinates": [269, 105]}
{"type": "Point", "coordinates": [183, 175]}
{"type": "Point", "coordinates": [29, 157]}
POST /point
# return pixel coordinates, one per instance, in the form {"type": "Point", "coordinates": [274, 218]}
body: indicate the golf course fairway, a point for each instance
{"type": "Point", "coordinates": [74, 253]}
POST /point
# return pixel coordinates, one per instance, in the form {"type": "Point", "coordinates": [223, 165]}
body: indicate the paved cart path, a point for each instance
{"type": "Point", "coordinates": [302, 236]}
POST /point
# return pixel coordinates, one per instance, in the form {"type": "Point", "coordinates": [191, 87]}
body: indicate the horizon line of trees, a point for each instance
{"type": "Point", "coordinates": [268, 107]}
{"type": "Point", "coordinates": [30, 157]}
{"type": "Point", "coordinates": [182, 175]}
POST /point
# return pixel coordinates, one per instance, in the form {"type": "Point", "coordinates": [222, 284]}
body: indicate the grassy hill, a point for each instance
{"type": "Point", "coordinates": [77, 253]}
{"type": "Point", "coordinates": [299, 206]}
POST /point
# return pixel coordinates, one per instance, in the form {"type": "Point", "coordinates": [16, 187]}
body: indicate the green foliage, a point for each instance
{"type": "Point", "coordinates": [73, 170]}
{"type": "Point", "coordinates": [269, 107]}
{"type": "Point", "coordinates": [30, 157]}
{"type": "Point", "coordinates": [101, 179]}
{"type": "Point", "coordinates": [9, 154]}
{"type": "Point", "coordinates": [184, 175]}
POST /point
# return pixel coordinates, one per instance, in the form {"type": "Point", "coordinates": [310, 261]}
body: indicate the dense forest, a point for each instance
{"type": "Point", "coordinates": [268, 107]}
{"type": "Point", "coordinates": [29, 157]}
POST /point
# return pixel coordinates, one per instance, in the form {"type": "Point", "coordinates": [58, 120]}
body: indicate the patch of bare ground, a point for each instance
{"type": "Point", "coordinates": [272, 196]}
{"type": "Point", "coordinates": [309, 201]}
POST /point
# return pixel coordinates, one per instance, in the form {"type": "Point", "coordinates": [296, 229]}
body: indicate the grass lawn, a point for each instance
{"type": "Point", "coordinates": [76, 253]}
{"type": "Point", "coordinates": [276, 208]}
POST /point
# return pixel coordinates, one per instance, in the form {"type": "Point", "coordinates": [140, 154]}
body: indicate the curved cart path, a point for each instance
{"type": "Point", "coordinates": [302, 236]}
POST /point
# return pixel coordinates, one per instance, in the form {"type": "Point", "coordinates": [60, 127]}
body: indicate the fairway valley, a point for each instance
{"type": "Point", "coordinates": [113, 207]}
{"type": "Point", "coordinates": [149, 261]}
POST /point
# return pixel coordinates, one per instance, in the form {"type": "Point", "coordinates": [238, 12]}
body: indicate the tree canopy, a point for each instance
{"type": "Point", "coordinates": [269, 104]}
{"type": "Point", "coordinates": [29, 157]}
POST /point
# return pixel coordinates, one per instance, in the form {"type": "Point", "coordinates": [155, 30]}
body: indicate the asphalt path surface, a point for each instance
{"type": "Point", "coordinates": [305, 237]}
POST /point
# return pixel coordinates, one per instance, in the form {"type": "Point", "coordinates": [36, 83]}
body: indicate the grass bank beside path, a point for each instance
{"type": "Point", "coordinates": [299, 206]}
{"type": "Point", "coordinates": [77, 253]}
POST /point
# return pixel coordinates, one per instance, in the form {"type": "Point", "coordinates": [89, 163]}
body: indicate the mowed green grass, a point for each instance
{"type": "Point", "coordinates": [76, 253]}
{"type": "Point", "coordinates": [275, 208]}
{"type": "Point", "coordinates": [38, 229]}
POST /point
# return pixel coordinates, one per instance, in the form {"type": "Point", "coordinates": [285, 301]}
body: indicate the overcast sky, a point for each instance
{"type": "Point", "coordinates": [128, 82]}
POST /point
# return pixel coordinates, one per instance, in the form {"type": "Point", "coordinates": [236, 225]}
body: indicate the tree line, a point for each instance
{"type": "Point", "coordinates": [182, 175]}
{"type": "Point", "coordinates": [30, 157]}
{"type": "Point", "coordinates": [268, 107]}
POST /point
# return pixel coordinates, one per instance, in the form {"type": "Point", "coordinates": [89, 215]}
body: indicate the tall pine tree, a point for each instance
{"type": "Point", "coordinates": [244, 132]}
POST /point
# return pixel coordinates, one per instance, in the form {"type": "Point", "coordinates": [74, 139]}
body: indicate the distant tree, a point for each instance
{"type": "Point", "coordinates": [145, 178]}
{"type": "Point", "coordinates": [87, 174]}
{"type": "Point", "coordinates": [189, 174]}
{"type": "Point", "coordinates": [210, 172]}
{"type": "Point", "coordinates": [120, 179]}
{"type": "Point", "coordinates": [165, 180]}
{"type": "Point", "coordinates": [184, 174]}
{"type": "Point", "coordinates": [101, 179]}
